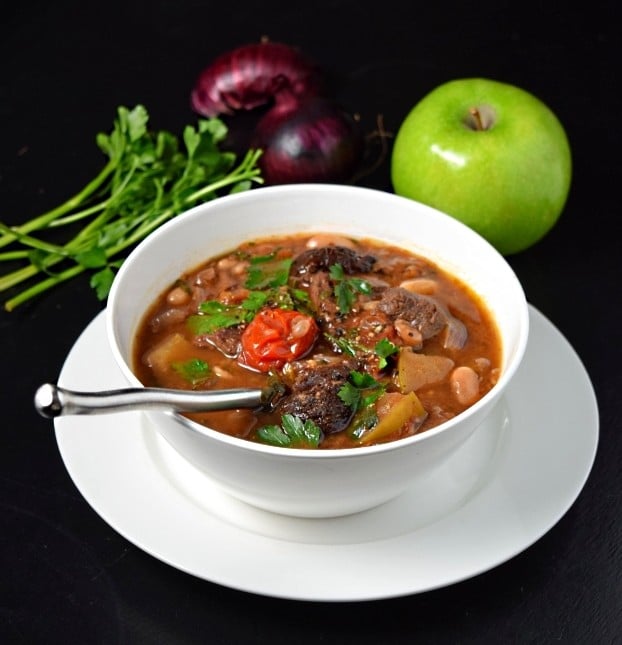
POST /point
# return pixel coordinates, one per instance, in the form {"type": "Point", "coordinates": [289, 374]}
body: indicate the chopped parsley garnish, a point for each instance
{"type": "Point", "coordinates": [255, 301]}
{"type": "Point", "coordinates": [194, 370]}
{"type": "Point", "coordinates": [384, 348]}
{"type": "Point", "coordinates": [292, 433]}
{"type": "Point", "coordinates": [350, 346]}
{"type": "Point", "coordinates": [363, 421]}
{"type": "Point", "coordinates": [345, 289]}
{"type": "Point", "coordinates": [265, 271]}
{"type": "Point", "coordinates": [346, 344]}
{"type": "Point", "coordinates": [361, 390]}
{"type": "Point", "coordinates": [216, 315]}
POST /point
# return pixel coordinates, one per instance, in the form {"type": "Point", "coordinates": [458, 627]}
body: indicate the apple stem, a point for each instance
{"type": "Point", "coordinates": [477, 118]}
{"type": "Point", "coordinates": [481, 118]}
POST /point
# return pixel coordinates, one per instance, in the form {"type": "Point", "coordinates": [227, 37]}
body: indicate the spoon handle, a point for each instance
{"type": "Point", "coordinates": [53, 401]}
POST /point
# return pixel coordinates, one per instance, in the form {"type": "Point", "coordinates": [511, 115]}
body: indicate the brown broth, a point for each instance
{"type": "Point", "coordinates": [165, 340]}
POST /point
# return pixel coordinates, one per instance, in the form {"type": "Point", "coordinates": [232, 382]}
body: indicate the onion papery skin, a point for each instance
{"type": "Point", "coordinates": [250, 76]}
{"type": "Point", "coordinates": [312, 141]}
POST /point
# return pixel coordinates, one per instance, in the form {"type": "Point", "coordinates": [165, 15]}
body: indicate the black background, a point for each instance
{"type": "Point", "coordinates": [65, 66]}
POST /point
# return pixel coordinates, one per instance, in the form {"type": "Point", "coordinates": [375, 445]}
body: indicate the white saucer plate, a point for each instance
{"type": "Point", "coordinates": [513, 480]}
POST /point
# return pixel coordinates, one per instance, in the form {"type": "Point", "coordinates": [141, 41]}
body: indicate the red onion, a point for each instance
{"type": "Point", "coordinates": [250, 76]}
{"type": "Point", "coordinates": [308, 140]}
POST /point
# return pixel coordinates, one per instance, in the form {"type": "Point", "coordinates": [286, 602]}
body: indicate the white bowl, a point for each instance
{"type": "Point", "coordinates": [316, 483]}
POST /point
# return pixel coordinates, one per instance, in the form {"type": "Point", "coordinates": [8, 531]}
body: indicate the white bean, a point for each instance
{"type": "Point", "coordinates": [168, 317]}
{"type": "Point", "coordinates": [482, 364]}
{"type": "Point", "coordinates": [424, 286]}
{"type": "Point", "coordinates": [326, 239]}
{"type": "Point", "coordinates": [409, 334]}
{"type": "Point", "coordinates": [300, 327]}
{"type": "Point", "coordinates": [222, 373]}
{"type": "Point", "coordinates": [178, 296]}
{"type": "Point", "coordinates": [239, 268]}
{"type": "Point", "coordinates": [464, 384]}
{"type": "Point", "coordinates": [225, 264]}
{"type": "Point", "coordinates": [206, 276]}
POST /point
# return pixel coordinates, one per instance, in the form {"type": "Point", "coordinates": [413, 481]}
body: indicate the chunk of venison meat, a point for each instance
{"type": "Point", "coordinates": [421, 312]}
{"type": "Point", "coordinates": [227, 340]}
{"type": "Point", "coordinates": [314, 394]}
{"type": "Point", "coordinates": [321, 259]}
{"type": "Point", "coordinates": [321, 297]}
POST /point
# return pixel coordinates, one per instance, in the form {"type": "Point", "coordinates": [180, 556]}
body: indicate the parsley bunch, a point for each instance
{"type": "Point", "coordinates": [149, 178]}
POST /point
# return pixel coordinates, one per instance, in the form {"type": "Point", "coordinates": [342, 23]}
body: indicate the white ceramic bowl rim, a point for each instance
{"type": "Point", "coordinates": [337, 453]}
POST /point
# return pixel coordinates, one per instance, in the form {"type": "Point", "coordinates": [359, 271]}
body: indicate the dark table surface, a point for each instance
{"type": "Point", "coordinates": [67, 576]}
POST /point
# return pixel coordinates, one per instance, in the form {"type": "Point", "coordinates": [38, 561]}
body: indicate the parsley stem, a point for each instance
{"type": "Point", "coordinates": [246, 170]}
{"type": "Point", "coordinates": [101, 206]}
{"type": "Point", "coordinates": [33, 242]}
{"type": "Point", "coordinates": [57, 254]}
{"type": "Point", "coordinates": [13, 255]}
{"type": "Point", "coordinates": [73, 202]}
{"type": "Point", "coordinates": [76, 217]}
{"type": "Point", "coordinates": [42, 286]}
{"type": "Point", "coordinates": [19, 275]}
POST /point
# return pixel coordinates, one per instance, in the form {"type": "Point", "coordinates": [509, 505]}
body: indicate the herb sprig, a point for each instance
{"type": "Point", "coordinates": [195, 371]}
{"type": "Point", "coordinates": [350, 346]}
{"type": "Point", "coordinates": [361, 390]}
{"type": "Point", "coordinates": [292, 433]}
{"type": "Point", "coordinates": [215, 315]}
{"type": "Point", "coordinates": [268, 271]}
{"type": "Point", "coordinates": [345, 289]}
{"type": "Point", "coordinates": [384, 348]}
{"type": "Point", "coordinates": [149, 178]}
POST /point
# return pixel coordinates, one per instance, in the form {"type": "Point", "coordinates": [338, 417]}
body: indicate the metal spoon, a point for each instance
{"type": "Point", "coordinates": [53, 401]}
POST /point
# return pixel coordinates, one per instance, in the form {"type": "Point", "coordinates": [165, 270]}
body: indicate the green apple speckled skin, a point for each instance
{"type": "Point", "coordinates": [491, 155]}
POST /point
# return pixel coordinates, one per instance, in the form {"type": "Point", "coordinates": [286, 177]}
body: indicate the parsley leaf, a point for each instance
{"type": "Point", "coordinates": [384, 348]}
{"type": "Point", "coordinates": [345, 289]}
{"type": "Point", "coordinates": [93, 258]}
{"type": "Point", "coordinates": [194, 370]}
{"type": "Point", "coordinates": [214, 315]}
{"type": "Point", "coordinates": [292, 433]}
{"type": "Point", "coordinates": [361, 390]}
{"type": "Point", "coordinates": [346, 344]}
{"type": "Point", "coordinates": [255, 300]}
{"type": "Point", "coordinates": [101, 282]}
{"type": "Point", "coordinates": [364, 420]}
{"type": "Point", "coordinates": [267, 272]}
{"type": "Point", "coordinates": [350, 346]}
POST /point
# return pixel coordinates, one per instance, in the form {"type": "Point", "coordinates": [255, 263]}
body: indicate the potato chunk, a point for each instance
{"type": "Point", "coordinates": [173, 349]}
{"type": "Point", "coordinates": [397, 410]}
{"type": "Point", "coordinates": [415, 371]}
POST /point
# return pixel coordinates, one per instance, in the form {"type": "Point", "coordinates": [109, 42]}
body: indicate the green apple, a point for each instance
{"type": "Point", "coordinates": [491, 155]}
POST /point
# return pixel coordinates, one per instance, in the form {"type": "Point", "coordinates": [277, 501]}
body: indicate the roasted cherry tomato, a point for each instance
{"type": "Point", "coordinates": [276, 336]}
